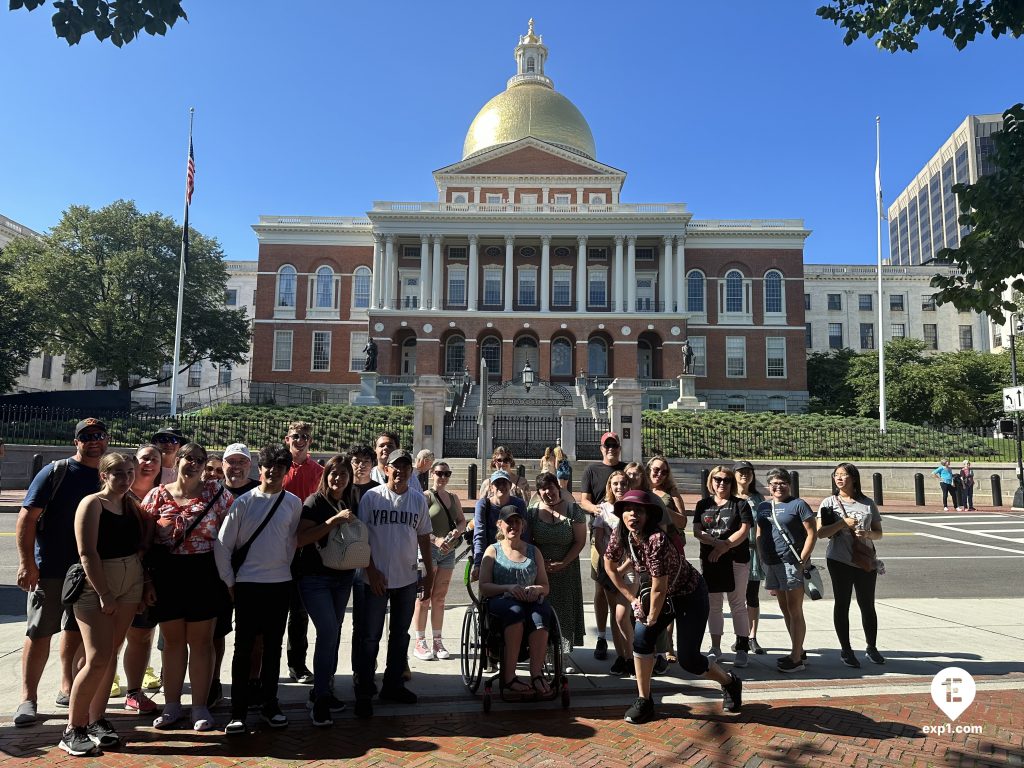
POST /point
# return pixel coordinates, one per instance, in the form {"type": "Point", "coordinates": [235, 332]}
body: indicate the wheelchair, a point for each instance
{"type": "Point", "coordinates": [483, 646]}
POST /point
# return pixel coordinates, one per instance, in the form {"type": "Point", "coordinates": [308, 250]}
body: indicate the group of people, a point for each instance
{"type": "Point", "coordinates": [958, 485]}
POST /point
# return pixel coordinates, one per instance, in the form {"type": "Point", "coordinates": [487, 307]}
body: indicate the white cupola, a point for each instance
{"type": "Point", "coordinates": [531, 53]}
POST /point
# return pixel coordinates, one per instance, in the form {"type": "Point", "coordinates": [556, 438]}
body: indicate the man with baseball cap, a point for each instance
{"type": "Point", "coordinates": [45, 534]}
{"type": "Point", "coordinates": [237, 466]}
{"type": "Point", "coordinates": [168, 440]}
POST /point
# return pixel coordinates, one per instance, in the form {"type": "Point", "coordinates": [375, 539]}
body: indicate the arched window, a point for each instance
{"type": "Point", "coordinates": [361, 288]}
{"type": "Point", "coordinates": [324, 288]}
{"type": "Point", "coordinates": [736, 403]}
{"type": "Point", "coordinates": [286, 287]}
{"type": "Point", "coordinates": [455, 355]}
{"type": "Point", "coordinates": [530, 66]}
{"type": "Point", "coordinates": [490, 350]}
{"type": "Point", "coordinates": [597, 357]}
{"type": "Point", "coordinates": [734, 291]}
{"type": "Point", "coordinates": [773, 302]}
{"type": "Point", "coordinates": [561, 357]}
{"type": "Point", "coordinates": [695, 292]}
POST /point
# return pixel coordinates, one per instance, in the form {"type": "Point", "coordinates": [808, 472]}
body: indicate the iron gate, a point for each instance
{"type": "Point", "coordinates": [588, 437]}
{"type": "Point", "coordinates": [461, 437]}
{"type": "Point", "coordinates": [526, 436]}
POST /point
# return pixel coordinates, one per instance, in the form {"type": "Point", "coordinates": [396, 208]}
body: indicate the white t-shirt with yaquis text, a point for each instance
{"type": "Point", "coordinates": [395, 522]}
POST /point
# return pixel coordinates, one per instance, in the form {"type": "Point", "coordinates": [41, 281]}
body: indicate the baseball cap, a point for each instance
{"type": "Point", "coordinates": [739, 466]}
{"type": "Point", "coordinates": [237, 449]}
{"type": "Point", "coordinates": [501, 474]}
{"type": "Point", "coordinates": [398, 455]}
{"type": "Point", "coordinates": [612, 436]}
{"type": "Point", "coordinates": [509, 510]}
{"type": "Point", "coordinates": [89, 423]}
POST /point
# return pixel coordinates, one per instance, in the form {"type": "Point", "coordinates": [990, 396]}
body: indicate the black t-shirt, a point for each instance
{"type": "Point", "coordinates": [245, 487]}
{"type": "Point", "coordinates": [595, 479]}
{"type": "Point", "coordinates": [319, 509]}
{"type": "Point", "coordinates": [722, 522]}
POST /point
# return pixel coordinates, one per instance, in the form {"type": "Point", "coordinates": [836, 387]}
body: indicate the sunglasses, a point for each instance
{"type": "Point", "coordinates": [92, 437]}
{"type": "Point", "coordinates": [611, 446]}
{"type": "Point", "coordinates": [298, 438]}
{"type": "Point", "coordinates": [443, 474]}
{"type": "Point", "coordinates": [164, 439]}
{"type": "Point", "coordinates": [193, 459]}
{"type": "Point", "coordinates": [721, 480]}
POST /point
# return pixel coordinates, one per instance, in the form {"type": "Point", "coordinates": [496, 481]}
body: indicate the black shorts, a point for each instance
{"type": "Point", "coordinates": [188, 587]}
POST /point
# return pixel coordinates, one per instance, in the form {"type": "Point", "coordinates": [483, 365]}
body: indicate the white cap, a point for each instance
{"type": "Point", "coordinates": [237, 449]}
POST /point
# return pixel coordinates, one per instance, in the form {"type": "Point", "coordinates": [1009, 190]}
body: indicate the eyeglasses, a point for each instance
{"type": "Point", "coordinates": [92, 437]}
{"type": "Point", "coordinates": [298, 438]}
{"type": "Point", "coordinates": [721, 480]}
{"type": "Point", "coordinates": [165, 439]}
{"type": "Point", "coordinates": [443, 474]}
{"type": "Point", "coordinates": [774, 486]}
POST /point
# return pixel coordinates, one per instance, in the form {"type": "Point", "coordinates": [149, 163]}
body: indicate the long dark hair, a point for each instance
{"type": "Point", "coordinates": [854, 474]}
{"type": "Point", "coordinates": [336, 461]}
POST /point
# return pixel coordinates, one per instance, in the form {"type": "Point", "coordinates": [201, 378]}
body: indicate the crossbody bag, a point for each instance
{"type": "Point", "coordinates": [813, 586]}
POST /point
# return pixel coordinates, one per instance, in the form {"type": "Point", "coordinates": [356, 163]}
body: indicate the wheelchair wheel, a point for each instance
{"type": "Point", "coordinates": [472, 649]}
{"type": "Point", "coordinates": [554, 658]}
{"type": "Point", "coordinates": [565, 694]}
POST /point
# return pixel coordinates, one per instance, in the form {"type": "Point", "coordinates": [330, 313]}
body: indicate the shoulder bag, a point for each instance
{"type": "Point", "coordinates": [74, 584]}
{"type": "Point", "coordinates": [813, 586]}
{"type": "Point", "coordinates": [238, 556]}
{"type": "Point", "coordinates": [863, 553]}
{"type": "Point", "coordinates": [159, 554]}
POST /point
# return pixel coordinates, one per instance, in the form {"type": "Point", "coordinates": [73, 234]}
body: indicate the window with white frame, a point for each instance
{"type": "Point", "coordinates": [494, 199]}
{"type": "Point", "coordinates": [356, 344]}
{"type": "Point", "coordinates": [492, 286]}
{"type": "Point", "coordinates": [733, 292]}
{"type": "Point", "coordinates": [324, 290]}
{"type": "Point", "coordinates": [397, 398]}
{"type": "Point", "coordinates": [224, 374]}
{"type": "Point", "coordinates": [699, 346]}
{"type": "Point", "coordinates": [561, 288]}
{"type": "Point", "coordinates": [457, 286]}
{"type": "Point", "coordinates": [455, 355]}
{"type": "Point", "coordinates": [735, 357]}
{"type": "Point", "coordinates": [835, 336]}
{"type": "Point", "coordinates": [321, 358]}
{"type": "Point", "coordinates": [597, 288]}
{"type": "Point", "coordinates": [528, 201]}
{"type": "Point", "coordinates": [775, 357]}
{"type": "Point", "coordinates": [655, 403]}
{"type": "Point", "coordinates": [562, 199]}
{"type": "Point", "coordinates": [410, 290]}
{"type": "Point", "coordinates": [695, 285]}
{"type": "Point", "coordinates": [195, 375]}
{"type": "Point", "coordinates": [596, 199]}
{"type": "Point", "coordinates": [283, 350]}
{"type": "Point", "coordinates": [286, 280]}
{"type": "Point", "coordinates": [459, 198]}
{"type": "Point", "coordinates": [490, 350]}
{"type": "Point", "coordinates": [231, 297]}
{"type": "Point", "coordinates": [774, 293]}
{"type": "Point", "coordinates": [361, 288]}
{"type": "Point", "coordinates": [898, 330]}
{"type": "Point", "coordinates": [527, 287]}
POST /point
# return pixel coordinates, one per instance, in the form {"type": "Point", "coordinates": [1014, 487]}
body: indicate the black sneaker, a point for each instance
{"type": "Point", "coordinates": [399, 694]}
{"type": "Point", "coordinates": [364, 707]}
{"type": "Point", "coordinates": [103, 734]}
{"type": "Point", "coordinates": [322, 713]}
{"type": "Point", "coordinates": [786, 664]}
{"type": "Point", "coordinates": [334, 704]}
{"type": "Point", "coordinates": [756, 647]}
{"type": "Point", "coordinates": [660, 665]}
{"type": "Point", "coordinates": [601, 650]}
{"type": "Point", "coordinates": [301, 675]}
{"type": "Point", "coordinates": [849, 658]}
{"type": "Point", "coordinates": [732, 694]}
{"type": "Point", "coordinates": [216, 695]}
{"type": "Point", "coordinates": [255, 695]}
{"type": "Point", "coordinates": [873, 654]}
{"type": "Point", "coordinates": [76, 742]}
{"type": "Point", "coordinates": [618, 667]}
{"type": "Point", "coordinates": [273, 716]}
{"type": "Point", "coordinates": [642, 711]}
{"type": "Point", "coordinates": [63, 699]}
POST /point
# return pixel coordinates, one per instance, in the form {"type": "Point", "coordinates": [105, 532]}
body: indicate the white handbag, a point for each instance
{"type": "Point", "coordinates": [347, 547]}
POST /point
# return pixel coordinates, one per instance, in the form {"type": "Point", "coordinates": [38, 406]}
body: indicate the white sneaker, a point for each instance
{"type": "Point", "coordinates": [945, 509]}
{"type": "Point", "coordinates": [440, 652]}
{"type": "Point", "coordinates": [715, 653]}
{"type": "Point", "coordinates": [422, 651]}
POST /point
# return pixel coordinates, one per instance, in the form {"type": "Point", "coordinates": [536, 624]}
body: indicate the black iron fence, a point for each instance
{"type": "Point", "coordinates": [588, 437]}
{"type": "Point", "coordinates": [526, 436]}
{"type": "Point", "coordinates": [461, 436]}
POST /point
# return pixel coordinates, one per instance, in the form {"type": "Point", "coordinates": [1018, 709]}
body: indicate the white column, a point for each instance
{"type": "Point", "coordinates": [438, 276]}
{"type": "Point", "coordinates": [511, 195]}
{"type": "Point", "coordinates": [509, 248]}
{"type": "Point", "coordinates": [668, 279]}
{"type": "Point", "coordinates": [424, 272]}
{"type": "Point", "coordinates": [579, 198]}
{"type": "Point", "coordinates": [378, 268]}
{"type": "Point", "coordinates": [619, 277]}
{"type": "Point", "coordinates": [581, 274]}
{"type": "Point", "coordinates": [545, 273]}
{"type": "Point", "coordinates": [681, 272]}
{"type": "Point", "coordinates": [544, 197]}
{"type": "Point", "coordinates": [472, 278]}
{"type": "Point", "coordinates": [390, 274]}
{"type": "Point", "coordinates": [631, 274]}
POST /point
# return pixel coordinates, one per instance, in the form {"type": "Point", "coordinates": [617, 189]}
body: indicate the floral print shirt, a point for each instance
{"type": "Point", "coordinates": [173, 519]}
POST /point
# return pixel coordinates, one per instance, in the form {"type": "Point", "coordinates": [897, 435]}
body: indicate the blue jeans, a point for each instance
{"type": "Point", "coordinates": [325, 598]}
{"type": "Point", "coordinates": [691, 620]}
{"type": "Point", "coordinates": [370, 630]}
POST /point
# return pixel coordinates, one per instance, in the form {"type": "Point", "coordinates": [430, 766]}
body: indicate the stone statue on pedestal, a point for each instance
{"type": "Point", "coordinates": [687, 351]}
{"type": "Point", "coordinates": [370, 350]}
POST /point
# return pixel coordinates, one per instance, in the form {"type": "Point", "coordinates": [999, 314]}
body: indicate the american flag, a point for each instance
{"type": "Point", "coordinates": [190, 183]}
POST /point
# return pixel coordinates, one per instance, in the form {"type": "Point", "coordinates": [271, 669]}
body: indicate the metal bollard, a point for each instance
{"type": "Point", "coordinates": [794, 486]}
{"type": "Point", "coordinates": [471, 481]}
{"type": "Point", "coordinates": [919, 489]}
{"type": "Point", "coordinates": [521, 471]}
{"type": "Point", "coordinates": [37, 464]}
{"type": "Point", "coordinates": [876, 482]}
{"type": "Point", "coordinates": [704, 475]}
{"type": "Point", "coordinates": [997, 491]}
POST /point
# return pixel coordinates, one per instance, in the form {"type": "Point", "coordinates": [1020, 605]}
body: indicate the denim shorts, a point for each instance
{"type": "Point", "coordinates": [443, 562]}
{"type": "Point", "coordinates": [783, 577]}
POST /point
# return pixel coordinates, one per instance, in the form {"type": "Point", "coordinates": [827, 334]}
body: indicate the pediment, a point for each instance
{"type": "Point", "coordinates": [528, 157]}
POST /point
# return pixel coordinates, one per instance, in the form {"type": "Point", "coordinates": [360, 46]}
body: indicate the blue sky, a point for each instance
{"type": "Point", "coordinates": [741, 110]}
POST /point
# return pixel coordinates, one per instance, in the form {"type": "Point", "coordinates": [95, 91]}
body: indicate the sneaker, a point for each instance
{"type": "Point", "coordinates": [786, 664]}
{"type": "Point", "coordinates": [740, 660]}
{"type": "Point", "coordinates": [601, 649]}
{"type": "Point", "coordinates": [235, 727]}
{"type": "Point", "coordinates": [732, 694]}
{"type": "Point", "coordinates": [151, 681]}
{"type": "Point", "coordinates": [255, 695]}
{"type": "Point", "coordinates": [756, 647]}
{"type": "Point", "coordinates": [334, 704]}
{"type": "Point", "coordinates": [423, 652]}
{"type": "Point", "coordinates": [618, 667]}
{"type": "Point", "coordinates": [440, 652]}
{"type": "Point", "coordinates": [364, 707]}
{"type": "Point", "coordinates": [321, 715]}
{"type": "Point", "coordinates": [216, 695]}
{"type": "Point", "coordinates": [301, 675]}
{"type": "Point", "coordinates": [140, 702]}
{"type": "Point", "coordinates": [660, 667]}
{"type": "Point", "coordinates": [76, 742]}
{"type": "Point", "coordinates": [25, 714]}
{"type": "Point", "coordinates": [945, 509]}
{"type": "Point", "coordinates": [102, 734]}
{"type": "Point", "coordinates": [642, 711]}
{"type": "Point", "coordinates": [715, 653]}
{"type": "Point", "coordinates": [399, 694]}
{"type": "Point", "coordinates": [272, 715]}
{"type": "Point", "coordinates": [115, 687]}
{"type": "Point", "coordinates": [875, 657]}
{"type": "Point", "coordinates": [849, 658]}
{"type": "Point", "coordinates": [63, 699]}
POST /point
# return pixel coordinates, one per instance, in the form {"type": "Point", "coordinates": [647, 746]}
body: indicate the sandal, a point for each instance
{"type": "Point", "coordinates": [172, 715]}
{"type": "Point", "coordinates": [202, 719]}
{"type": "Point", "coordinates": [523, 688]}
{"type": "Point", "coordinates": [544, 689]}
{"type": "Point", "coordinates": [671, 657]}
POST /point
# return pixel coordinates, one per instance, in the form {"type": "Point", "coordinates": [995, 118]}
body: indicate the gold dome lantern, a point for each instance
{"type": "Point", "coordinates": [530, 106]}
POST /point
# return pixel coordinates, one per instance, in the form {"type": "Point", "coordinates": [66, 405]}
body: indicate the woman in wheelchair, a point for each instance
{"type": "Point", "coordinates": [513, 580]}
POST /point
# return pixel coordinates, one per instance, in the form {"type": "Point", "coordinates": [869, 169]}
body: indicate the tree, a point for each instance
{"type": "Point", "coordinates": [828, 389]}
{"type": "Point", "coordinates": [120, 21]}
{"type": "Point", "coordinates": [17, 342]}
{"type": "Point", "coordinates": [104, 283]}
{"type": "Point", "coordinates": [897, 23]}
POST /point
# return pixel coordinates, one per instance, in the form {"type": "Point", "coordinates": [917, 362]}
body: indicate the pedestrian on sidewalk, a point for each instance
{"type": "Point", "coordinates": [967, 484]}
{"type": "Point", "coordinates": [852, 524]}
{"type": "Point", "coordinates": [563, 468]}
{"type": "Point", "coordinates": [945, 476]}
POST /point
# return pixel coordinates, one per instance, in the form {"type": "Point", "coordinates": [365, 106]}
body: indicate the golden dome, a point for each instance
{"type": "Point", "coordinates": [529, 109]}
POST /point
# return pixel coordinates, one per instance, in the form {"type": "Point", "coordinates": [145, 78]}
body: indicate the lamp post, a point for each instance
{"type": "Point", "coordinates": [1016, 325]}
{"type": "Point", "coordinates": [529, 377]}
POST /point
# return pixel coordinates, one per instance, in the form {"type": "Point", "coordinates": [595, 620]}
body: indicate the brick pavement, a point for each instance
{"type": "Point", "coordinates": [881, 730]}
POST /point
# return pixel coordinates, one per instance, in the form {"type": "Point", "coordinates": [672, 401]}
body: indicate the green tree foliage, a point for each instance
{"type": "Point", "coordinates": [897, 23]}
{"type": "Point", "coordinates": [119, 21]}
{"type": "Point", "coordinates": [827, 381]}
{"type": "Point", "coordinates": [105, 282]}
{"type": "Point", "coordinates": [17, 342]}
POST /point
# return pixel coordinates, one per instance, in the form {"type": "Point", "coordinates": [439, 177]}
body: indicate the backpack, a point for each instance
{"type": "Point", "coordinates": [60, 470]}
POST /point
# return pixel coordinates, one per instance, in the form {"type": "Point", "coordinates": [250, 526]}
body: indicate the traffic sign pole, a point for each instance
{"type": "Point", "coordinates": [1018, 495]}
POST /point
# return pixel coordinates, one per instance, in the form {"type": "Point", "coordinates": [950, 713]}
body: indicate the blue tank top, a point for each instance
{"type": "Point", "coordinates": [506, 571]}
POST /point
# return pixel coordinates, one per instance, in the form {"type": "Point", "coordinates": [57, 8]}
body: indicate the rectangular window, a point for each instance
{"type": "Point", "coordinates": [966, 337]}
{"type": "Point", "coordinates": [931, 336]}
{"type": "Point", "coordinates": [865, 302]}
{"type": "Point", "coordinates": [807, 301]}
{"type": "Point", "coordinates": [527, 287]}
{"type": "Point", "coordinates": [645, 254]}
{"type": "Point", "coordinates": [896, 302]}
{"type": "Point", "coordinates": [231, 296]}
{"type": "Point", "coordinates": [457, 287]}
{"type": "Point", "coordinates": [835, 301]}
{"type": "Point", "coordinates": [597, 288]}
{"type": "Point", "coordinates": [321, 360]}
{"type": "Point", "coordinates": [699, 345]}
{"type": "Point", "coordinates": [655, 403]}
{"type": "Point", "coordinates": [411, 252]}
{"type": "Point", "coordinates": [898, 330]}
{"type": "Point", "coordinates": [867, 335]}
{"type": "Point", "coordinates": [47, 366]}
{"type": "Point", "coordinates": [561, 288]}
{"type": "Point", "coordinates": [195, 375]}
{"type": "Point", "coordinates": [458, 253]}
{"type": "Point", "coordinates": [67, 376]}
{"type": "Point", "coordinates": [735, 357]}
{"type": "Point", "coordinates": [410, 292]}
{"type": "Point", "coordinates": [224, 375]}
{"type": "Point", "coordinates": [397, 398]}
{"type": "Point", "coordinates": [283, 350]}
{"type": "Point", "coordinates": [562, 199]}
{"type": "Point", "coordinates": [928, 303]}
{"type": "Point", "coordinates": [808, 336]}
{"type": "Point", "coordinates": [775, 357]}
{"type": "Point", "coordinates": [492, 286]}
{"type": "Point", "coordinates": [597, 254]}
{"type": "Point", "coordinates": [166, 371]}
{"type": "Point", "coordinates": [493, 199]}
{"type": "Point", "coordinates": [835, 335]}
{"type": "Point", "coordinates": [356, 345]}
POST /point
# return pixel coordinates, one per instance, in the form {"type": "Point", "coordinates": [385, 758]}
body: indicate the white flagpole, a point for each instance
{"type": "Point", "coordinates": [881, 331]}
{"type": "Point", "coordinates": [181, 282]}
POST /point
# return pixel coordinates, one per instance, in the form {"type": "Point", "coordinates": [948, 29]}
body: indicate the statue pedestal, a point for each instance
{"type": "Point", "coordinates": [687, 400]}
{"type": "Point", "coordinates": [367, 389]}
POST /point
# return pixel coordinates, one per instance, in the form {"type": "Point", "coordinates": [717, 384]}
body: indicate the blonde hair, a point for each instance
{"type": "Point", "coordinates": [669, 483]}
{"type": "Point", "coordinates": [641, 473]}
{"type": "Point", "coordinates": [608, 495]}
{"type": "Point", "coordinates": [714, 471]}
{"type": "Point", "coordinates": [559, 453]}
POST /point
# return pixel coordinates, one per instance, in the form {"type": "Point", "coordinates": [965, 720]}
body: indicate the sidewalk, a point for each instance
{"type": "Point", "coordinates": [828, 715]}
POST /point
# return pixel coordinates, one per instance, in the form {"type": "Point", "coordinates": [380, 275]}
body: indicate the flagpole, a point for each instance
{"type": "Point", "coordinates": [878, 224]}
{"type": "Point", "coordinates": [181, 270]}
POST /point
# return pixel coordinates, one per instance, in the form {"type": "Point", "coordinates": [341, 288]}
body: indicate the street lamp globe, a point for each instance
{"type": "Point", "coordinates": [529, 376]}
